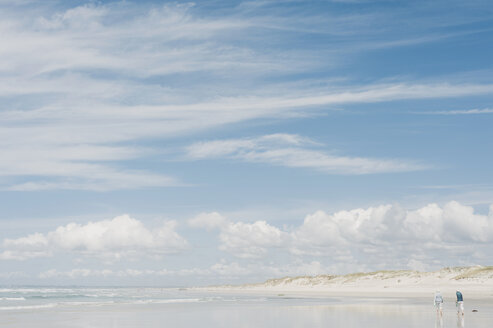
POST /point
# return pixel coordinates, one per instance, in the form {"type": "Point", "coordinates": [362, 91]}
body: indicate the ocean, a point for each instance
{"type": "Point", "coordinates": [178, 307]}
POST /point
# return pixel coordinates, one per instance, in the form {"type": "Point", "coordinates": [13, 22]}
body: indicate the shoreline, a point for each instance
{"type": "Point", "coordinates": [423, 292]}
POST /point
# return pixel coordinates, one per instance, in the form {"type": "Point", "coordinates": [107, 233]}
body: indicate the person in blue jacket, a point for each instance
{"type": "Point", "coordinates": [459, 303]}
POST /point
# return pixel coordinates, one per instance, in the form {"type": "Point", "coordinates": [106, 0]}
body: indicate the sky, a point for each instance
{"type": "Point", "coordinates": [194, 143]}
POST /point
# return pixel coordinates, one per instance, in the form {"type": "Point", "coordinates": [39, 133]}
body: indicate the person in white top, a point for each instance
{"type": "Point", "coordinates": [439, 303]}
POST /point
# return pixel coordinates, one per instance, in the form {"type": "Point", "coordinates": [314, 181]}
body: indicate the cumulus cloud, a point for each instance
{"type": "Point", "coordinates": [390, 225]}
{"type": "Point", "coordinates": [292, 150]}
{"type": "Point", "coordinates": [113, 239]}
{"type": "Point", "coordinates": [244, 240]}
{"type": "Point", "coordinates": [380, 236]}
{"type": "Point", "coordinates": [250, 240]}
{"type": "Point", "coordinates": [374, 238]}
{"type": "Point", "coordinates": [208, 221]}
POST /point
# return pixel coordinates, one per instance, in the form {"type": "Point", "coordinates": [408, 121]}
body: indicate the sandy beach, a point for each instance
{"type": "Point", "coordinates": [232, 307]}
{"type": "Point", "coordinates": [376, 299]}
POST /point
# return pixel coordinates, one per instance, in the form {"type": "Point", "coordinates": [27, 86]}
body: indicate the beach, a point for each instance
{"type": "Point", "coordinates": [254, 309]}
{"type": "Point", "coordinates": [370, 300]}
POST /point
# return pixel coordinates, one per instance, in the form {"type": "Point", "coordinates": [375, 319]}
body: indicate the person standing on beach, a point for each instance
{"type": "Point", "coordinates": [459, 303]}
{"type": "Point", "coordinates": [439, 303]}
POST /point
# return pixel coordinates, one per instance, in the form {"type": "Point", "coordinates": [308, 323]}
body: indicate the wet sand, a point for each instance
{"type": "Point", "coordinates": [258, 309]}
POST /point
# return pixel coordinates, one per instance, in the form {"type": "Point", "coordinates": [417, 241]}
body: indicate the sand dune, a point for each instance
{"type": "Point", "coordinates": [475, 281]}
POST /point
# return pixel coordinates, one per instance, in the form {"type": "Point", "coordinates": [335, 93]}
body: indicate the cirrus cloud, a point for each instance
{"type": "Point", "coordinates": [292, 150]}
{"type": "Point", "coordinates": [87, 84]}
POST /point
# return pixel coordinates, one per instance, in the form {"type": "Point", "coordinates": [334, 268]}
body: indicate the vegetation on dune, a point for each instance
{"type": "Point", "coordinates": [476, 272]}
{"type": "Point", "coordinates": [452, 273]}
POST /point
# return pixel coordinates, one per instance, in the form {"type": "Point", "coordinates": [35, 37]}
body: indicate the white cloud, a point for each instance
{"type": "Point", "coordinates": [74, 166]}
{"type": "Point", "coordinates": [113, 239]}
{"type": "Point", "coordinates": [338, 232]}
{"type": "Point", "coordinates": [317, 230]}
{"type": "Point", "coordinates": [208, 221]}
{"type": "Point", "coordinates": [387, 225]}
{"type": "Point", "coordinates": [372, 238]}
{"type": "Point", "coordinates": [244, 240]}
{"type": "Point", "coordinates": [461, 224]}
{"type": "Point", "coordinates": [376, 237]}
{"type": "Point", "coordinates": [425, 223]}
{"type": "Point", "coordinates": [87, 84]}
{"type": "Point", "coordinates": [293, 151]}
{"type": "Point", "coordinates": [250, 240]}
{"type": "Point", "coordinates": [460, 112]}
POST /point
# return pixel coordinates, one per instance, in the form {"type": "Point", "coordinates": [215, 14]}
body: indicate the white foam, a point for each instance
{"type": "Point", "coordinates": [12, 299]}
{"type": "Point", "coordinates": [28, 307]}
{"type": "Point", "coordinates": [86, 303]}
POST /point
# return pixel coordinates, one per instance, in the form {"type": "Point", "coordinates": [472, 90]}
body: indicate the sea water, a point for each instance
{"type": "Point", "coordinates": [173, 307]}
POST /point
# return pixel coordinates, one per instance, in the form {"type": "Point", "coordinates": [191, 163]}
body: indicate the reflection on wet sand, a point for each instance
{"type": "Point", "coordinates": [439, 321]}
{"type": "Point", "coordinates": [460, 321]}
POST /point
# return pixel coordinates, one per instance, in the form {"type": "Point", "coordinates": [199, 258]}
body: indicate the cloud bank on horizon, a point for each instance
{"type": "Point", "coordinates": [356, 239]}
{"type": "Point", "coordinates": [265, 110]}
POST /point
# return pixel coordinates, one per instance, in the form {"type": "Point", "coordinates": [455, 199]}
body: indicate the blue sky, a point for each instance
{"type": "Point", "coordinates": [185, 143]}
